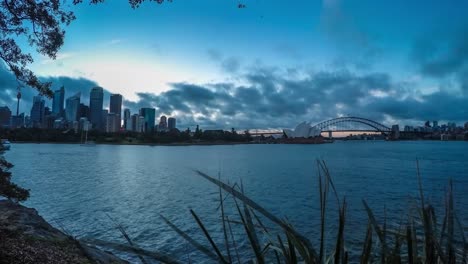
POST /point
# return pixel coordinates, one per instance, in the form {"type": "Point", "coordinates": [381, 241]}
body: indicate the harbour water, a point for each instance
{"type": "Point", "coordinates": [77, 187]}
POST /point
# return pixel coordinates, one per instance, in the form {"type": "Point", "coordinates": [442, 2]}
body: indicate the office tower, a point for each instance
{"type": "Point", "coordinates": [17, 121]}
{"type": "Point", "coordinates": [149, 118]}
{"type": "Point", "coordinates": [95, 108]}
{"type": "Point", "coordinates": [162, 123]}
{"type": "Point", "coordinates": [133, 125]}
{"type": "Point", "coordinates": [171, 122]}
{"type": "Point", "coordinates": [116, 108]}
{"type": "Point", "coordinates": [111, 122]}
{"type": "Point", "coordinates": [84, 111]}
{"type": "Point", "coordinates": [58, 102]}
{"type": "Point", "coordinates": [37, 111]}
{"type": "Point", "coordinates": [5, 116]}
{"type": "Point", "coordinates": [104, 114]}
{"type": "Point", "coordinates": [72, 109]}
{"type": "Point", "coordinates": [116, 104]}
{"type": "Point", "coordinates": [126, 118]}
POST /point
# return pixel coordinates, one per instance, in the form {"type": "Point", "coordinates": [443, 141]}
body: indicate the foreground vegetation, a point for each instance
{"type": "Point", "coordinates": [425, 237]}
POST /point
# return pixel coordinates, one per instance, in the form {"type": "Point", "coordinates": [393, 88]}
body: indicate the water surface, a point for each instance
{"type": "Point", "coordinates": [78, 187]}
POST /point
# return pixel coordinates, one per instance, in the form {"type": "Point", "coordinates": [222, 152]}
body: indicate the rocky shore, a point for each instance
{"type": "Point", "coordinates": [25, 237]}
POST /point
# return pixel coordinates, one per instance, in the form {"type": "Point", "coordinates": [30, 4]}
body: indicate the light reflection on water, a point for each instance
{"type": "Point", "coordinates": [76, 187]}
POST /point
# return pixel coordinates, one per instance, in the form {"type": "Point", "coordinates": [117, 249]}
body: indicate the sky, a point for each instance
{"type": "Point", "coordinates": [272, 64]}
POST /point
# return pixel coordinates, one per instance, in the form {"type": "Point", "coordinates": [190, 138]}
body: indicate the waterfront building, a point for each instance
{"type": "Point", "coordinates": [466, 126]}
{"type": "Point", "coordinates": [84, 111]}
{"type": "Point", "coordinates": [134, 123]}
{"type": "Point", "coordinates": [96, 100]}
{"type": "Point", "coordinates": [17, 121]}
{"type": "Point", "coordinates": [142, 125]}
{"type": "Point", "coordinates": [58, 102]}
{"type": "Point", "coordinates": [149, 117]}
{"type": "Point", "coordinates": [126, 118]}
{"type": "Point", "coordinates": [72, 109]}
{"type": "Point", "coordinates": [84, 124]}
{"type": "Point", "coordinates": [395, 131]}
{"type": "Point", "coordinates": [112, 123]}
{"type": "Point", "coordinates": [5, 116]}
{"type": "Point", "coordinates": [162, 123]}
{"type": "Point", "coordinates": [171, 122]}
{"type": "Point", "coordinates": [37, 112]}
{"type": "Point", "coordinates": [115, 107]}
{"type": "Point", "coordinates": [303, 130]}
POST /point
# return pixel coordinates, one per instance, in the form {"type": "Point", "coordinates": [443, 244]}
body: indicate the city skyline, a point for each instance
{"type": "Point", "coordinates": [331, 59]}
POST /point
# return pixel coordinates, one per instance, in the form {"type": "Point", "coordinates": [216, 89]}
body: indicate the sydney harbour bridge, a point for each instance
{"type": "Point", "coordinates": [340, 124]}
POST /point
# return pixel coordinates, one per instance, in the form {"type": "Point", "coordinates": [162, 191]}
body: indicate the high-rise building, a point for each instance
{"type": "Point", "coordinates": [133, 125]}
{"type": "Point", "coordinates": [111, 122]}
{"type": "Point", "coordinates": [162, 123]}
{"type": "Point", "coordinates": [104, 114]}
{"type": "Point", "coordinates": [37, 111]}
{"type": "Point", "coordinates": [115, 107]}
{"type": "Point", "coordinates": [149, 117]}
{"type": "Point", "coordinates": [58, 102]}
{"type": "Point", "coordinates": [171, 123]}
{"type": "Point", "coordinates": [72, 110]}
{"type": "Point", "coordinates": [17, 121]}
{"type": "Point", "coordinates": [5, 116]}
{"type": "Point", "coordinates": [115, 104]}
{"type": "Point", "coordinates": [84, 111]}
{"type": "Point", "coordinates": [126, 118]}
{"type": "Point", "coordinates": [96, 99]}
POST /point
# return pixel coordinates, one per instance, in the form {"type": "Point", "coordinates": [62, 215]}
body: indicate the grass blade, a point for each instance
{"type": "Point", "coordinates": [210, 239]}
{"type": "Point", "coordinates": [189, 239]}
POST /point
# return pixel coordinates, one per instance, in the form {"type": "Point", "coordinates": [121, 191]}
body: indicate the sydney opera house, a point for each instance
{"type": "Point", "coordinates": [303, 130]}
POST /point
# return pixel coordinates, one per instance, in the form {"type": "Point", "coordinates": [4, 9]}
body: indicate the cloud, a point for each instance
{"type": "Point", "coordinates": [267, 98]}
{"type": "Point", "coordinates": [354, 45]}
{"type": "Point", "coordinates": [442, 60]}
{"type": "Point", "coordinates": [8, 90]}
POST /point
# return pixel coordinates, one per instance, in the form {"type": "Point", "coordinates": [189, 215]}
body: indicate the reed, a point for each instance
{"type": "Point", "coordinates": [423, 238]}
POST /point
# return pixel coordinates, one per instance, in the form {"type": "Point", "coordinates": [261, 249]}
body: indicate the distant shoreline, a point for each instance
{"type": "Point", "coordinates": [142, 144]}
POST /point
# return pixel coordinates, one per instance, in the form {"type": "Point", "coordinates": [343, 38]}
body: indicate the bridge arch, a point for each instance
{"type": "Point", "coordinates": [326, 125]}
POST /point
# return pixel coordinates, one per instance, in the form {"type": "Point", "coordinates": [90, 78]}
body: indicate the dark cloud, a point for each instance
{"type": "Point", "coordinates": [440, 58]}
{"type": "Point", "coordinates": [268, 99]}
{"type": "Point", "coordinates": [355, 46]}
{"type": "Point", "coordinates": [8, 90]}
{"type": "Point", "coordinates": [444, 56]}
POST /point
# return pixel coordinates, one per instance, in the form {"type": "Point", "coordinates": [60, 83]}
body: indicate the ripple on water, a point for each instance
{"type": "Point", "coordinates": [78, 187]}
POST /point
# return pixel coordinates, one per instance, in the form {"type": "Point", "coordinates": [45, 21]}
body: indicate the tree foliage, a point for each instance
{"type": "Point", "coordinates": [41, 23]}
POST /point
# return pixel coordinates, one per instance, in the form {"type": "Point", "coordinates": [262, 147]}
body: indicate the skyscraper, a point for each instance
{"type": "Point", "coordinates": [58, 101]}
{"type": "Point", "coordinates": [5, 116]}
{"type": "Point", "coordinates": [115, 107]}
{"type": "Point", "coordinates": [162, 123]}
{"type": "Point", "coordinates": [72, 110]}
{"type": "Point", "coordinates": [126, 118]}
{"type": "Point", "coordinates": [171, 123]}
{"type": "Point", "coordinates": [96, 99]}
{"type": "Point", "coordinates": [84, 111]}
{"type": "Point", "coordinates": [37, 111]}
{"type": "Point", "coordinates": [149, 116]}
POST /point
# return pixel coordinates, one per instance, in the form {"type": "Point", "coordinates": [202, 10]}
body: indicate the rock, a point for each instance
{"type": "Point", "coordinates": [25, 237]}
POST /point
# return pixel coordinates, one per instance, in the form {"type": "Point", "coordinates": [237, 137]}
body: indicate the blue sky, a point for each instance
{"type": "Point", "coordinates": [302, 60]}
